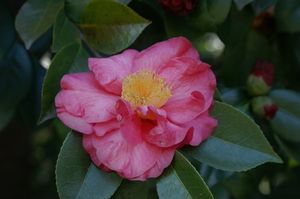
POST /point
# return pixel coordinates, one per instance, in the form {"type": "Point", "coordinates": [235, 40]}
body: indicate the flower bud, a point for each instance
{"type": "Point", "coordinates": [264, 107]}
{"type": "Point", "coordinates": [261, 78]}
{"type": "Point", "coordinates": [179, 7]}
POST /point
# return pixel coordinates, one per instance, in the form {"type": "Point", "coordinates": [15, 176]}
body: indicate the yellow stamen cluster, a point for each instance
{"type": "Point", "coordinates": [145, 88]}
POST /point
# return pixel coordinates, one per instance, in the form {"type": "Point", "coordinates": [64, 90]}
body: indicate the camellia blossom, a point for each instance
{"type": "Point", "coordinates": [135, 108]}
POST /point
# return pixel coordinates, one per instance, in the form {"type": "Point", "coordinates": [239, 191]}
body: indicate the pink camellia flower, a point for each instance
{"type": "Point", "coordinates": [135, 108]}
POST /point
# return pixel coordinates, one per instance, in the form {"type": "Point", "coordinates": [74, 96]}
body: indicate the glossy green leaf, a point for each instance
{"type": "Point", "coordinates": [35, 18]}
{"type": "Point", "coordinates": [64, 32]}
{"type": "Point", "coordinates": [286, 122]}
{"type": "Point", "coordinates": [136, 190]}
{"type": "Point", "coordinates": [72, 58]}
{"type": "Point", "coordinates": [237, 143]}
{"type": "Point", "coordinates": [77, 178]}
{"type": "Point", "coordinates": [98, 184]}
{"type": "Point", "coordinates": [242, 3]}
{"type": "Point", "coordinates": [181, 180]}
{"type": "Point", "coordinates": [288, 15]}
{"type": "Point", "coordinates": [75, 8]}
{"type": "Point", "coordinates": [109, 26]}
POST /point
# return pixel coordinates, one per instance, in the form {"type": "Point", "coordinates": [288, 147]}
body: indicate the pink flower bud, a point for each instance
{"type": "Point", "coordinates": [264, 107]}
{"type": "Point", "coordinates": [179, 7]}
{"type": "Point", "coordinates": [261, 78]}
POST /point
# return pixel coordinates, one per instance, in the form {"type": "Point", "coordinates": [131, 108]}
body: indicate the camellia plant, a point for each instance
{"type": "Point", "coordinates": [163, 98]}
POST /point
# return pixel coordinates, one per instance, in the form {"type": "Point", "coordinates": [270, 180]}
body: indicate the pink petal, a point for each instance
{"type": "Point", "coordinates": [162, 133]}
{"type": "Point", "coordinates": [187, 76]}
{"type": "Point", "coordinates": [182, 110]}
{"type": "Point", "coordinates": [160, 53]}
{"type": "Point", "coordinates": [113, 151]}
{"type": "Point", "coordinates": [163, 162]}
{"type": "Point", "coordinates": [91, 107]}
{"type": "Point", "coordinates": [110, 71]}
{"type": "Point", "coordinates": [75, 123]}
{"type": "Point", "coordinates": [82, 82]}
{"type": "Point", "coordinates": [104, 127]}
{"type": "Point", "coordinates": [203, 127]}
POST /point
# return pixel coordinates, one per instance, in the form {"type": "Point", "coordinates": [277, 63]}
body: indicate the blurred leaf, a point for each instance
{"type": "Point", "coordinates": [286, 122]}
{"type": "Point", "coordinates": [291, 148]}
{"type": "Point", "coordinates": [64, 32]}
{"type": "Point", "coordinates": [35, 18]}
{"type": "Point", "coordinates": [207, 15]}
{"type": "Point", "coordinates": [7, 32]}
{"type": "Point", "coordinates": [210, 13]}
{"type": "Point", "coordinates": [72, 58]}
{"type": "Point", "coordinates": [210, 175]}
{"type": "Point", "coordinates": [242, 50]}
{"type": "Point", "coordinates": [75, 8]}
{"type": "Point", "coordinates": [77, 178]}
{"type": "Point", "coordinates": [218, 95]}
{"type": "Point", "coordinates": [233, 96]}
{"type": "Point", "coordinates": [242, 3]}
{"type": "Point", "coordinates": [136, 190]}
{"type": "Point", "coordinates": [220, 192]}
{"type": "Point", "coordinates": [237, 144]}
{"type": "Point", "coordinates": [181, 180]}
{"type": "Point", "coordinates": [15, 81]}
{"type": "Point", "coordinates": [288, 15]}
{"type": "Point", "coordinates": [262, 5]}
{"type": "Point", "coordinates": [110, 27]}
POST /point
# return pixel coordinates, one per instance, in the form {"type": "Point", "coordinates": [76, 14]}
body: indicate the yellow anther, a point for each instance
{"type": "Point", "coordinates": [145, 88]}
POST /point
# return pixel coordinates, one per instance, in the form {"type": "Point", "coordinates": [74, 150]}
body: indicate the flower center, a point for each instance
{"type": "Point", "coordinates": [145, 88]}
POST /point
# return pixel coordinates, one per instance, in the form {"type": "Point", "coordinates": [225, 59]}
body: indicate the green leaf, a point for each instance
{"type": "Point", "coordinates": [181, 180]}
{"type": "Point", "coordinates": [242, 3]}
{"type": "Point", "coordinates": [109, 26]}
{"type": "Point", "coordinates": [237, 144]}
{"type": "Point", "coordinates": [136, 190]}
{"type": "Point", "coordinates": [286, 122]}
{"type": "Point", "coordinates": [77, 178]}
{"type": "Point", "coordinates": [35, 18]}
{"type": "Point", "coordinates": [242, 50]}
{"type": "Point", "coordinates": [72, 58]}
{"type": "Point", "coordinates": [288, 15]}
{"type": "Point", "coordinates": [98, 184]}
{"type": "Point", "coordinates": [75, 8]}
{"type": "Point", "coordinates": [64, 32]}
{"type": "Point", "coordinates": [210, 13]}
{"type": "Point", "coordinates": [207, 15]}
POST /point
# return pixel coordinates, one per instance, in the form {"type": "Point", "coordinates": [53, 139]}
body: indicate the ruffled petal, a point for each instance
{"type": "Point", "coordinates": [114, 152]}
{"type": "Point", "coordinates": [91, 107]}
{"type": "Point", "coordinates": [163, 162]}
{"type": "Point", "coordinates": [160, 131]}
{"type": "Point", "coordinates": [76, 123]}
{"type": "Point", "coordinates": [202, 128]}
{"type": "Point", "coordinates": [104, 127]}
{"type": "Point", "coordinates": [81, 82]}
{"type": "Point", "coordinates": [110, 71]}
{"type": "Point", "coordinates": [187, 76]}
{"type": "Point", "coordinates": [156, 56]}
{"type": "Point", "coordinates": [182, 110]}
